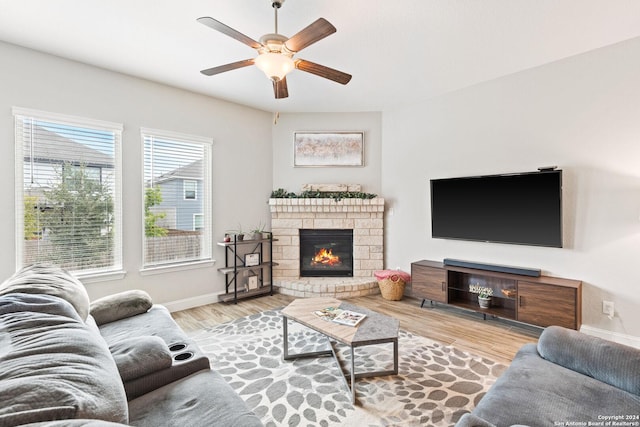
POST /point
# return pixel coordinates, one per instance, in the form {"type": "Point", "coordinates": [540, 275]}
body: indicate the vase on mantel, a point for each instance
{"type": "Point", "coordinates": [485, 302]}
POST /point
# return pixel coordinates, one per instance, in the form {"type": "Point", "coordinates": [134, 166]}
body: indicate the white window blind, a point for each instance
{"type": "Point", "coordinates": [68, 192]}
{"type": "Point", "coordinates": [177, 190]}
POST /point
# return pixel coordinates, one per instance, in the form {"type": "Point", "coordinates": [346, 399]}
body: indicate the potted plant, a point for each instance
{"type": "Point", "coordinates": [259, 232]}
{"type": "Point", "coordinates": [484, 294]}
{"type": "Point", "coordinates": [238, 233]}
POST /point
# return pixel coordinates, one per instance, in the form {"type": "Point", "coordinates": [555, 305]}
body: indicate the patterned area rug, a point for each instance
{"type": "Point", "coordinates": [435, 386]}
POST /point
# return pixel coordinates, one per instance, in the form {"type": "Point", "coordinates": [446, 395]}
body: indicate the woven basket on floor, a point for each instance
{"type": "Point", "coordinates": [392, 288]}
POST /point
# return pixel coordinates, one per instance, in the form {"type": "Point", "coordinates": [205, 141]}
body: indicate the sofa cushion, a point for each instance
{"type": "Point", "coordinates": [471, 420]}
{"type": "Point", "coordinates": [49, 280]}
{"type": "Point", "coordinates": [603, 360]}
{"type": "Point", "coordinates": [137, 357]}
{"type": "Point", "coordinates": [45, 345]}
{"type": "Point", "coordinates": [74, 423]}
{"type": "Point", "coordinates": [120, 306]}
{"type": "Point", "coordinates": [37, 415]}
{"type": "Point", "coordinates": [202, 399]}
{"type": "Point", "coordinates": [536, 392]}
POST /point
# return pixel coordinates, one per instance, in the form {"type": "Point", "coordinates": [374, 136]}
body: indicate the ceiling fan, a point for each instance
{"type": "Point", "coordinates": [275, 52]}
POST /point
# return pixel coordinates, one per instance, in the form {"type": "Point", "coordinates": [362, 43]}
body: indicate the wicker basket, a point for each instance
{"type": "Point", "coordinates": [392, 288]}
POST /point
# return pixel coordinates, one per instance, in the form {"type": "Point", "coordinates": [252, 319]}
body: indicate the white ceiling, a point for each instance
{"type": "Point", "coordinates": [398, 52]}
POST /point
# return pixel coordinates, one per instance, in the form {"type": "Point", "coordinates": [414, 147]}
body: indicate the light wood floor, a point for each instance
{"type": "Point", "coordinates": [496, 339]}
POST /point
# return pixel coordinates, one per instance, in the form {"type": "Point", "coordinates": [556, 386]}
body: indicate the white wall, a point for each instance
{"type": "Point", "coordinates": [291, 179]}
{"type": "Point", "coordinates": [242, 156]}
{"type": "Point", "coordinates": [582, 114]}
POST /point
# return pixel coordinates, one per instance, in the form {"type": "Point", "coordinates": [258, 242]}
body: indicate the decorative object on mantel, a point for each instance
{"type": "Point", "coordinates": [392, 283]}
{"type": "Point", "coordinates": [484, 294]}
{"type": "Point", "coordinates": [318, 192]}
{"type": "Point", "coordinates": [328, 149]}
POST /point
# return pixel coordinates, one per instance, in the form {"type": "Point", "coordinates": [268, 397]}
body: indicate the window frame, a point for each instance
{"type": "Point", "coordinates": [116, 269]}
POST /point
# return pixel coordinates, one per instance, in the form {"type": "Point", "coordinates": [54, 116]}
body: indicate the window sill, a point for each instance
{"type": "Point", "coordinates": [100, 277]}
{"type": "Point", "coordinates": [147, 271]}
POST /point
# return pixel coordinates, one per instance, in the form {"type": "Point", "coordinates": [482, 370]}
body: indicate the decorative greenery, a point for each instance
{"type": "Point", "coordinates": [281, 193]}
{"type": "Point", "coordinates": [482, 291]}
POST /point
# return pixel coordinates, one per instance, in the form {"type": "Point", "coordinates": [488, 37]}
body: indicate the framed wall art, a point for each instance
{"type": "Point", "coordinates": [328, 149]}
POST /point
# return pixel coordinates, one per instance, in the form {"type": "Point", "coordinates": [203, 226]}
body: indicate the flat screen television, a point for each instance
{"type": "Point", "coordinates": [521, 208]}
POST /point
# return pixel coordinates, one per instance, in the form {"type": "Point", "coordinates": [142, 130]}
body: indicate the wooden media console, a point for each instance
{"type": "Point", "coordinates": [541, 301]}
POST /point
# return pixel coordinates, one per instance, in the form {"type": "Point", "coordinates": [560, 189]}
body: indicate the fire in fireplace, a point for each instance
{"type": "Point", "coordinates": [325, 257]}
{"type": "Point", "coordinates": [326, 252]}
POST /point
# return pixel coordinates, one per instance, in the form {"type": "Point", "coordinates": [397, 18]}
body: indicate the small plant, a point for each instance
{"type": "Point", "coordinates": [237, 232]}
{"type": "Point", "coordinates": [258, 229]}
{"type": "Point", "coordinates": [482, 291]}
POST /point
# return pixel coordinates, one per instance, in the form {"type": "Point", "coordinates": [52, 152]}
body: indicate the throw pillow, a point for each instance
{"type": "Point", "coordinates": [120, 306]}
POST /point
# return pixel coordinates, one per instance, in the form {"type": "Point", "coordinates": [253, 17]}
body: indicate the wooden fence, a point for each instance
{"type": "Point", "coordinates": [172, 248]}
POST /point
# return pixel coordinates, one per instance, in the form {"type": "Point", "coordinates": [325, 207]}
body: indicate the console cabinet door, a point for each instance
{"type": "Point", "coordinates": [429, 283]}
{"type": "Point", "coordinates": [545, 305]}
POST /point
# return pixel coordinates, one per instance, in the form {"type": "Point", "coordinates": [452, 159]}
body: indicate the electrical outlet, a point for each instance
{"type": "Point", "coordinates": [607, 308]}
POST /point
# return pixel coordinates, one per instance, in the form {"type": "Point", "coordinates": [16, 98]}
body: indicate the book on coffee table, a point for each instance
{"type": "Point", "coordinates": [338, 315]}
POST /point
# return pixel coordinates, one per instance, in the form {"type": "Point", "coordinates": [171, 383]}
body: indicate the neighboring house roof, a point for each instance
{"type": "Point", "coordinates": [65, 150]}
{"type": "Point", "coordinates": [191, 171]}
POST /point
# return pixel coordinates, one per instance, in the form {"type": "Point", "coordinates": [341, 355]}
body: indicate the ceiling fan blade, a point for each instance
{"type": "Point", "coordinates": [280, 89]}
{"type": "Point", "coordinates": [225, 29]}
{"type": "Point", "coordinates": [227, 67]}
{"type": "Point", "coordinates": [322, 71]}
{"type": "Point", "coordinates": [318, 30]}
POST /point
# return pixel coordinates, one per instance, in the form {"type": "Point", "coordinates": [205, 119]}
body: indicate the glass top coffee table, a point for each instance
{"type": "Point", "coordinates": [375, 328]}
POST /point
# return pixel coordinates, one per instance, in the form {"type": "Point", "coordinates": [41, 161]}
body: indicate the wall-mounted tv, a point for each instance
{"type": "Point", "coordinates": [520, 208]}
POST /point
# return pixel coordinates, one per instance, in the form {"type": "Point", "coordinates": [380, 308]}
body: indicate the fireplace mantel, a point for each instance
{"type": "Point", "coordinates": [364, 216]}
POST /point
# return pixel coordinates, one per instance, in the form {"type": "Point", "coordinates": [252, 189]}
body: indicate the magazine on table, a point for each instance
{"type": "Point", "coordinates": [338, 315]}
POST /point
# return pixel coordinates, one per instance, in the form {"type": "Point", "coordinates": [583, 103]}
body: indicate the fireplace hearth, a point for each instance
{"type": "Point", "coordinates": [326, 253]}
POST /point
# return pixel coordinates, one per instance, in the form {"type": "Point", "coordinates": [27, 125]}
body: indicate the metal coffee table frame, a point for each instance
{"type": "Point", "coordinates": [349, 378]}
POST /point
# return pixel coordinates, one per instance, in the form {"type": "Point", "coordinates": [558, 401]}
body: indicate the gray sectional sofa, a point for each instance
{"type": "Point", "coordinates": [567, 379]}
{"type": "Point", "coordinates": [120, 360]}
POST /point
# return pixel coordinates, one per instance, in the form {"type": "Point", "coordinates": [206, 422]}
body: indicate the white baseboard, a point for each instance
{"type": "Point", "coordinates": [187, 303]}
{"type": "Point", "coordinates": [612, 336]}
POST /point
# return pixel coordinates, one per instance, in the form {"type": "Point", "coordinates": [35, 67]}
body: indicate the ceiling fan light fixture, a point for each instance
{"type": "Point", "coordinates": [274, 65]}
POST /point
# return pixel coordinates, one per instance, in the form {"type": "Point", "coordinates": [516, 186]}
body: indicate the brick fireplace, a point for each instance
{"type": "Point", "coordinates": [364, 216]}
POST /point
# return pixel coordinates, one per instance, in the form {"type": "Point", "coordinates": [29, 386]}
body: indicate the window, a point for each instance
{"type": "Point", "coordinates": [190, 190]}
{"type": "Point", "coordinates": [177, 190]}
{"type": "Point", "coordinates": [68, 189]}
